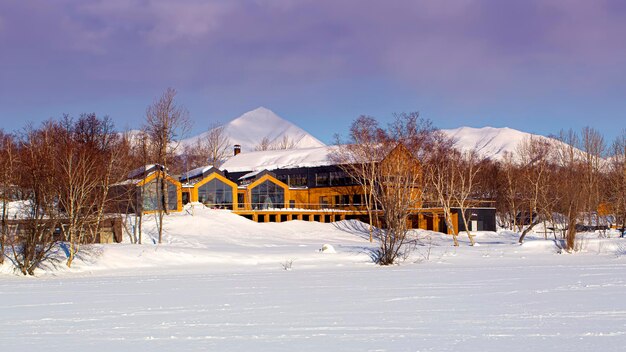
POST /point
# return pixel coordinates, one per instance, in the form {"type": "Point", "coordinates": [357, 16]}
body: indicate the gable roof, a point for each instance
{"type": "Point", "coordinates": [144, 171]}
{"type": "Point", "coordinates": [199, 172]}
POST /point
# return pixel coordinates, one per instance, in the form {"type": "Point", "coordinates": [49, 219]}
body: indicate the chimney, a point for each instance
{"type": "Point", "coordinates": [237, 149]}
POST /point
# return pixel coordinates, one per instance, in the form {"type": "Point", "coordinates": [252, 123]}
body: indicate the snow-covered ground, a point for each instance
{"type": "Point", "coordinates": [219, 283]}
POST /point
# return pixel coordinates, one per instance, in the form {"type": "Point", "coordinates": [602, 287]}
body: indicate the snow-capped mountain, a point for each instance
{"type": "Point", "coordinates": [249, 129]}
{"type": "Point", "coordinates": [489, 142]}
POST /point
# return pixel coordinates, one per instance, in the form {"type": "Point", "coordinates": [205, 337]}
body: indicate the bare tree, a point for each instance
{"type": "Point", "coordinates": [536, 159]}
{"type": "Point", "coordinates": [384, 163]}
{"type": "Point", "coordinates": [594, 148]}
{"type": "Point", "coordinates": [114, 162]}
{"type": "Point", "coordinates": [510, 191]}
{"type": "Point", "coordinates": [398, 192]}
{"type": "Point", "coordinates": [264, 144]}
{"type": "Point", "coordinates": [9, 177]}
{"type": "Point", "coordinates": [89, 159]}
{"type": "Point", "coordinates": [193, 156]}
{"type": "Point", "coordinates": [399, 185]}
{"type": "Point", "coordinates": [616, 179]}
{"type": "Point", "coordinates": [33, 241]}
{"type": "Point", "coordinates": [76, 182]}
{"type": "Point", "coordinates": [570, 189]}
{"type": "Point", "coordinates": [285, 143]}
{"type": "Point", "coordinates": [442, 179]}
{"type": "Point", "coordinates": [215, 145]}
{"type": "Point", "coordinates": [142, 155]}
{"type": "Point", "coordinates": [166, 122]}
{"type": "Point", "coordinates": [467, 167]}
{"type": "Point", "coordinates": [359, 157]}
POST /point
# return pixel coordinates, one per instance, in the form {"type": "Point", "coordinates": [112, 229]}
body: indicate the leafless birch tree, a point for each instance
{"type": "Point", "coordinates": [440, 172]}
{"type": "Point", "coordinates": [570, 188]}
{"type": "Point", "coordinates": [9, 178]}
{"type": "Point", "coordinates": [535, 156]}
{"type": "Point", "coordinates": [617, 179]}
{"type": "Point", "coordinates": [166, 122]}
{"type": "Point", "coordinates": [359, 157]}
{"type": "Point", "coordinates": [32, 242]}
{"type": "Point", "coordinates": [466, 166]}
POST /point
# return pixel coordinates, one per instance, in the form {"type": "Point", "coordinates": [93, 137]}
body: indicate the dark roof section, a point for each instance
{"type": "Point", "coordinates": [199, 173]}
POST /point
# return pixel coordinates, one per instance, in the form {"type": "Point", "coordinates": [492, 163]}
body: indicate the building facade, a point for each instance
{"type": "Point", "coordinates": [284, 185]}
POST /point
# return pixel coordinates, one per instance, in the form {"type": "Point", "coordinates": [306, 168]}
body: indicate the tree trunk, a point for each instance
{"type": "Point", "coordinates": [159, 213]}
{"type": "Point", "coordinates": [448, 220]}
{"type": "Point", "coordinates": [570, 240]}
{"type": "Point", "coordinates": [3, 230]}
{"type": "Point", "coordinates": [71, 249]}
{"type": "Point", "coordinates": [139, 223]}
{"type": "Point", "coordinates": [526, 231]}
{"type": "Point", "coordinates": [469, 235]}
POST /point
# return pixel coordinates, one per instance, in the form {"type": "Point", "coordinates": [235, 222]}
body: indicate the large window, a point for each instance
{"type": "Point", "coordinates": [340, 178]}
{"type": "Point", "coordinates": [240, 200]}
{"type": "Point", "coordinates": [293, 180]}
{"type": "Point", "coordinates": [268, 195]}
{"type": "Point", "coordinates": [322, 179]}
{"type": "Point", "coordinates": [297, 180]}
{"type": "Point", "coordinates": [342, 200]}
{"type": "Point", "coordinates": [172, 196]}
{"type": "Point", "coordinates": [151, 195]}
{"type": "Point", "coordinates": [216, 193]}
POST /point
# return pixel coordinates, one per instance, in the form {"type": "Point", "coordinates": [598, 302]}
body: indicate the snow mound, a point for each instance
{"type": "Point", "coordinates": [201, 236]}
{"type": "Point", "coordinates": [327, 248]}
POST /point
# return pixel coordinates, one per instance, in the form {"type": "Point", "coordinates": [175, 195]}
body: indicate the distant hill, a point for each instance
{"type": "Point", "coordinates": [249, 129]}
{"type": "Point", "coordinates": [489, 142]}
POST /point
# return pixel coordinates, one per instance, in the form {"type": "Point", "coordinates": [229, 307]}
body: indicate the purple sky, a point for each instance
{"type": "Point", "coordinates": [537, 66]}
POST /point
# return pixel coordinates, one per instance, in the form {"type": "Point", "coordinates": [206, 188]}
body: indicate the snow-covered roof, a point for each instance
{"type": "Point", "coordinates": [250, 174]}
{"type": "Point", "coordinates": [144, 170]}
{"type": "Point", "coordinates": [130, 181]}
{"type": "Point", "coordinates": [139, 174]}
{"type": "Point", "coordinates": [280, 159]}
{"type": "Point", "coordinates": [199, 171]}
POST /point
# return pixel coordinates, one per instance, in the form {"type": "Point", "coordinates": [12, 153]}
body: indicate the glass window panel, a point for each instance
{"type": "Point", "coordinates": [297, 180]}
{"type": "Point", "coordinates": [151, 196]}
{"type": "Point", "coordinates": [172, 196]}
{"type": "Point", "coordinates": [216, 193]}
{"type": "Point", "coordinates": [268, 195]}
{"type": "Point", "coordinates": [321, 179]}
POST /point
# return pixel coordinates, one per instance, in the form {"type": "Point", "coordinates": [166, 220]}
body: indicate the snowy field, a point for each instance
{"type": "Point", "coordinates": [219, 284]}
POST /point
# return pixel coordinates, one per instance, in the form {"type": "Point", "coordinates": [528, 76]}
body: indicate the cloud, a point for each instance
{"type": "Point", "coordinates": [159, 22]}
{"type": "Point", "coordinates": [465, 53]}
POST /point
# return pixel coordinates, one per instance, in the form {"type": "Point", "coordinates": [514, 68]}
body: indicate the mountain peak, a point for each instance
{"type": "Point", "coordinates": [259, 115]}
{"type": "Point", "coordinates": [490, 142]}
{"type": "Point", "coordinates": [253, 126]}
{"type": "Point", "coordinates": [262, 109]}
